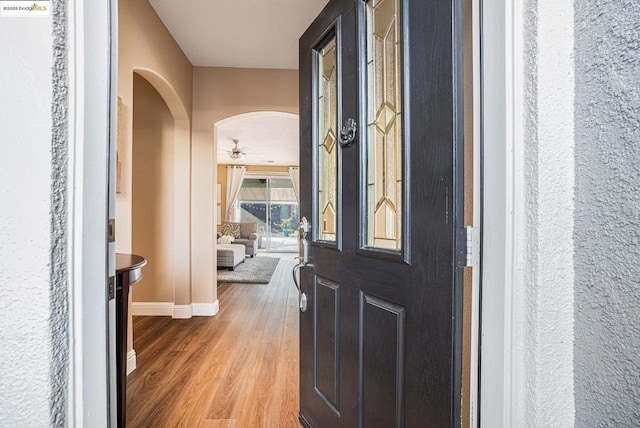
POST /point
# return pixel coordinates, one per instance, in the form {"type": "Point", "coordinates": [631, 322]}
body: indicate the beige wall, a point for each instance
{"type": "Point", "coordinates": [147, 48]}
{"type": "Point", "coordinates": [145, 45]}
{"type": "Point", "coordinates": [153, 192]}
{"type": "Point", "coordinates": [220, 93]}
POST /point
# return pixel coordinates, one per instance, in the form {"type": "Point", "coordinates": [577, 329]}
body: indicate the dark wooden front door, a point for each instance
{"type": "Point", "coordinates": [380, 341]}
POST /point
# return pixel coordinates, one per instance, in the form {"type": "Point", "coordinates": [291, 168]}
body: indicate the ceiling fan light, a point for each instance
{"type": "Point", "coordinates": [236, 153]}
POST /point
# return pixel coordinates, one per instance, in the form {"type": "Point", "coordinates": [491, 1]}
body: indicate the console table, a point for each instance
{"type": "Point", "coordinates": [128, 272]}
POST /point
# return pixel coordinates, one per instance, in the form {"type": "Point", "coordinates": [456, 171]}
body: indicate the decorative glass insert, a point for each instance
{"type": "Point", "coordinates": [384, 126]}
{"type": "Point", "coordinates": [327, 141]}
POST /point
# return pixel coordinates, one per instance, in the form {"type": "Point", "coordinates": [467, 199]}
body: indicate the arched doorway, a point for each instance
{"type": "Point", "coordinates": [266, 144]}
{"type": "Point", "coordinates": [153, 191]}
{"type": "Point", "coordinates": [160, 195]}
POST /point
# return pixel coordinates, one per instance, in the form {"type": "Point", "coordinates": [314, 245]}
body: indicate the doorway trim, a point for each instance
{"type": "Point", "coordinates": [89, 32]}
{"type": "Point", "coordinates": [501, 79]}
{"type": "Point", "coordinates": [500, 112]}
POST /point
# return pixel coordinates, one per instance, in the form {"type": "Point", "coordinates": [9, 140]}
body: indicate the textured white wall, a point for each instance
{"type": "Point", "coordinates": [25, 222]}
{"type": "Point", "coordinates": [569, 354]}
{"type": "Point", "coordinates": [543, 290]}
{"type": "Point", "coordinates": [607, 200]}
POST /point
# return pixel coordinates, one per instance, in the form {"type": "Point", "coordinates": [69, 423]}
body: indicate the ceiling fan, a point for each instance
{"type": "Point", "coordinates": [236, 153]}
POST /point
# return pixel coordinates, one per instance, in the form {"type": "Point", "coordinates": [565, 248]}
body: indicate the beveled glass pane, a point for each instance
{"type": "Point", "coordinates": [326, 138]}
{"type": "Point", "coordinates": [384, 121]}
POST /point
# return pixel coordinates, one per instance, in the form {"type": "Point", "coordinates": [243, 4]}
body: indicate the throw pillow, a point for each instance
{"type": "Point", "coordinates": [230, 228]}
{"type": "Point", "coordinates": [226, 239]}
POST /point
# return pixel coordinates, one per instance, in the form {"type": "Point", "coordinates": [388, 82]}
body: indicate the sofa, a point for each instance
{"type": "Point", "coordinates": [244, 233]}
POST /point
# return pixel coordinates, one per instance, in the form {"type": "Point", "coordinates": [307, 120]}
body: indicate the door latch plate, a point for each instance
{"type": "Point", "coordinates": [112, 230]}
{"type": "Point", "coordinates": [112, 287]}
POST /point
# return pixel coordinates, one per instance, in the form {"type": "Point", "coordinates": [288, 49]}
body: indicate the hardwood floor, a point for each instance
{"type": "Point", "coordinates": [237, 369]}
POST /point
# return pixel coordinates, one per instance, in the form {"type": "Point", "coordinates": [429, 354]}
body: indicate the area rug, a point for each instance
{"type": "Point", "coordinates": [256, 270]}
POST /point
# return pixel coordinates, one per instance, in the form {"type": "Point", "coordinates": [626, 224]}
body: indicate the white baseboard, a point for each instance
{"type": "Point", "coordinates": [168, 309]}
{"type": "Point", "coordinates": [205, 309]}
{"type": "Point", "coordinates": [154, 309]}
{"type": "Point", "coordinates": [131, 361]}
{"type": "Point", "coordinates": [182, 312]}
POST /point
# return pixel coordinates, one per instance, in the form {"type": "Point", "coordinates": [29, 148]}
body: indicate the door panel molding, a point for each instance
{"type": "Point", "coordinates": [326, 342]}
{"type": "Point", "coordinates": [382, 345]}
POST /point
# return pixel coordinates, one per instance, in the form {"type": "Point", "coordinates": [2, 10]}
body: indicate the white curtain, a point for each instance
{"type": "Point", "coordinates": [294, 173]}
{"type": "Point", "coordinates": [235, 175]}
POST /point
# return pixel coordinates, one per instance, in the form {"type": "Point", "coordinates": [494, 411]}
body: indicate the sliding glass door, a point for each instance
{"type": "Point", "coordinates": [272, 203]}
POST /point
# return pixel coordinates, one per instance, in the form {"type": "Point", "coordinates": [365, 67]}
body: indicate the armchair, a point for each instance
{"type": "Point", "coordinates": [245, 233]}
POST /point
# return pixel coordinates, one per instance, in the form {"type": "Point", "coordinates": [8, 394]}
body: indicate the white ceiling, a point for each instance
{"type": "Point", "coordinates": [246, 34]}
{"type": "Point", "coordinates": [270, 138]}
{"type": "Point", "coordinates": [239, 33]}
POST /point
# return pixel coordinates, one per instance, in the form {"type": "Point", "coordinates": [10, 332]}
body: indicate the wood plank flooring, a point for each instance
{"type": "Point", "coordinates": [235, 370]}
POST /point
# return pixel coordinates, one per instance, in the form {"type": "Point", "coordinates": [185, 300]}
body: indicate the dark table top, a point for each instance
{"type": "Point", "coordinates": [129, 262]}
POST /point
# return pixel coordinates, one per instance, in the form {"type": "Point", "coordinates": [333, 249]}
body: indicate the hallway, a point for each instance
{"type": "Point", "coordinates": [237, 369]}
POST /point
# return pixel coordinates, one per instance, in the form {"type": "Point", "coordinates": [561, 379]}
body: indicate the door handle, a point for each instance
{"type": "Point", "coordinates": [303, 229]}
{"type": "Point", "coordinates": [303, 260]}
{"type": "Point", "coordinates": [303, 296]}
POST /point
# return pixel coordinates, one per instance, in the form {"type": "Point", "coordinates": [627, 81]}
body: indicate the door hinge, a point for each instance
{"type": "Point", "coordinates": [112, 287]}
{"type": "Point", "coordinates": [470, 246]}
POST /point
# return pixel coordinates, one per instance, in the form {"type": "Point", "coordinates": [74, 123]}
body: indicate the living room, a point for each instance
{"type": "Point", "coordinates": [258, 177]}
